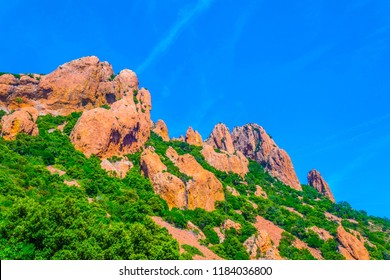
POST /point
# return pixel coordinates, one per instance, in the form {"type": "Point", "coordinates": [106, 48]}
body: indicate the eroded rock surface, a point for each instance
{"type": "Point", "coordinates": [253, 141]}
{"type": "Point", "coordinates": [168, 186]}
{"type": "Point", "coordinates": [315, 180]}
{"type": "Point", "coordinates": [350, 246]}
{"type": "Point", "coordinates": [21, 121]}
{"type": "Point", "coordinates": [204, 189]}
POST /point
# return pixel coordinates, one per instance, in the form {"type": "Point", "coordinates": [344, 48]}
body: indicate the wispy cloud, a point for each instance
{"type": "Point", "coordinates": [179, 25]}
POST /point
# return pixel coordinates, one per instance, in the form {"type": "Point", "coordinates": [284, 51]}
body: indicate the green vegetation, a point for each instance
{"type": "Point", "coordinates": [289, 251]}
{"type": "Point", "coordinates": [135, 99]}
{"type": "Point", "coordinates": [2, 113]}
{"type": "Point", "coordinates": [112, 77]}
{"type": "Point", "coordinates": [43, 218]}
{"type": "Point", "coordinates": [17, 76]}
{"type": "Point", "coordinates": [191, 250]}
{"type": "Point", "coordinates": [105, 106]}
{"type": "Point", "coordinates": [19, 100]}
{"type": "Point", "coordinates": [109, 218]}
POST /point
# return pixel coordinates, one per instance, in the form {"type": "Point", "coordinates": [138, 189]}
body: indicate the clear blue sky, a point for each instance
{"type": "Point", "coordinates": [314, 74]}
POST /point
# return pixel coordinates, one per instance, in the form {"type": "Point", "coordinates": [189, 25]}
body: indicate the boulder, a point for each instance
{"type": "Point", "coordinates": [350, 246]}
{"type": "Point", "coordinates": [21, 121]}
{"type": "Point", "coordinates": [117, 168]}
{"type": "Point", "coordinates": [122, 129]}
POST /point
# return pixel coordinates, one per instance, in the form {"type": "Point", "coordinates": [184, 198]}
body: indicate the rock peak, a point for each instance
{"type": "Point", "coordinates": [220, 138]}
{"type": "Point", "coordinates": [193, 137]}
{"type": "Point", "coordinates": [315, 180]}
{"type": "Point", "coordinates": [254, 142]}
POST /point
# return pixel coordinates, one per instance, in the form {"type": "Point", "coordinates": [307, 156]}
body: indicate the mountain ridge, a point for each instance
{"type": "Point", "coordinates": [241, 179]}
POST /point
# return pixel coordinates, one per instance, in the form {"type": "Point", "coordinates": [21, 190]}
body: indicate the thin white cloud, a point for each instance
{"type": "Point", "coordinates": [167, 41]}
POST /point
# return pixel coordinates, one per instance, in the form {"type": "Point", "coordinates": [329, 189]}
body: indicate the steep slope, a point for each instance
{"type": "Point", "coordinates": [70, 182]}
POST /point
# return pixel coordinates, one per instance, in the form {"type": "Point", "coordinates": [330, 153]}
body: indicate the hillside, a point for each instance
{"type": "Point", "coordinates": [86, 174]}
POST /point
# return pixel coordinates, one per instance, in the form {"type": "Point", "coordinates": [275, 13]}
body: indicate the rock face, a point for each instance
{"type": "Point", "coordinates": [223, 161]}
{"type": "Point", "coordinates": [117, 168]}
{"type": "Point", "coordinates": [220, 138]}
{"type": "Point", "coordinates": [253, 141]}
{"type": "Point", "coordinates": [168, 186]}
{"type": "Point", "coordinates": [259, 246]}
{"type": "Point", "coordinates": [315, 180]}
{"type": "Point", "coordinates": [193, 137]}
{"type": "Point", "coordinates": [229, 224]}
{"type": "Point", "coordinates": [20, 121]}
{"type": "Point", "coordinates": [122, 129]}
{"type": "Point", "coordinates": [204, 189]}
{"type": "Point", "coordinates": [160, 128]}
{"type": "Point", "coordinates": [350, 246]}
{"type": "Point", "coordinates": [84, 83]}
{"type": "Point", "coordinates": [260, 192]}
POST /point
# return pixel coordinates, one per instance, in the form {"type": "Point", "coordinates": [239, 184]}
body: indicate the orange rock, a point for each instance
{"type": "Point", "coordinates": [350, 246]}
{"type": "Point", "coordinates": [160, 128]}
{"type": "Point", "coordinates": [199, 234]}
{"type": "Point", "coordinates": [260, 192]}
{"type": "Point", "coordinates": [204, 189]}
{"type": "Point", "coordinates": [323, 234]}
{"type": "Point", "coordinates": [122, 129]}
{"type": "Point", "coordinates": [77, 85]}
{"type": "Point", "coordinates": [315, 180]}
{"type": "Point", "coordinates": [228, 224]}
{"type": "Point", "coordinates": [168, 186]}
{"type": "Point", "coordinates": [21, 121]}
{"type": "Point", "coordinates": [220, 138]}
{"type": "Point", "coordinates": [259, 245]}
{"type": "Point", "coordinates": [255, 143]}
{"type": "Point", "coordinates": [226, 162]}
{"type": "Point", "coordinates": [233, 191]}
{"type": "Point", "coordinates": [117, 168]}
{"type": "Point", "coordinates": [193, 137]}
{"type": "Point", "coordinates": [84, 83]}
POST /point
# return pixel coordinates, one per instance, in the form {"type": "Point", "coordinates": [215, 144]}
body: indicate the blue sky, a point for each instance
{"type": "Point", "coordinates": [314, 74]}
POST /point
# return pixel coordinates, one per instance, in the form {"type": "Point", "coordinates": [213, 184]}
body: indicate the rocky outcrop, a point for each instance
{"type": "Point", "coordinates": [323, 234]}
{"type": "Point", "coordinates": [223, 161]}
{"type": "Point", "coordinates": [193, 137]}
{"type": "Point", "coordinates": [259, 245]}
{"type": "Point", "coordinates": [220, 138]}
{"type": "Point", "coordinates": [160, 128]}
{"type": "Point", "coordinates": [117, 168]}
{"type": "Point", "coordinates": [122, 129]}
{"type": "Point", "coordinates": [199, 234]}
{"type": "Point", "coordinates": [233, 191]}
{"type": "Point", "coordinates": [253, 141]}
{"type": "Point", "coordinates": [21, 121]}
{"type": "Point", "coordinates": [315, 180]}
{"type": "Point", "coordinates": [168, 186]}
{"type": "Point", "coordinates": [350, 246]}
{"type": "Point", "coordinates": [229, 224]}
{"type": "Point", "coordinates": [260, 192]}
{"type": "Point", "coordinates": [280, 166]}
{"type": "Point", "coordinates": [204, 189]}
{"type": "Point", "coordinates": [84, 83]}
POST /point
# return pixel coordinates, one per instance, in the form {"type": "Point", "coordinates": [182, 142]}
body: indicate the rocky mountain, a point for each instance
{"type": "Point", "coordinates": [86, 174]}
